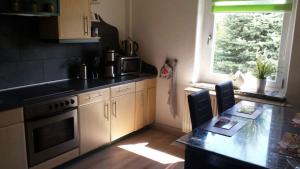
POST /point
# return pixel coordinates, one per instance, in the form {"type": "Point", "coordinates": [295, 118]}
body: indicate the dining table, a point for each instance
{"type": "Point", "coordinates": [260, 144]}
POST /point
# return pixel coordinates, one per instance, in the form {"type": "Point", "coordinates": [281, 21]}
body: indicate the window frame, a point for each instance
{"type": "Point", "coordinates": [207, 55]}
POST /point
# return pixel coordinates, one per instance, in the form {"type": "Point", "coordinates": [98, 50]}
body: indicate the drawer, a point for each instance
{"type": "Point", "coordinates": [10, 117]}
{"type": "Point", "coordinates": [151, 83]}
{"type": "Point", "coordinates": [94, 96]}
{"type": "Point", "coordinates": [140, 86]}
{"type": "Point", "coordinates": [122, 89]}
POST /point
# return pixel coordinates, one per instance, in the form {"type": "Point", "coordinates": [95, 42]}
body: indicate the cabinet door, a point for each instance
{"type": "Point", "coordinates": [94, 124]}
{"type": "Point", "coordinates": [74, 22]}
{"type": "Point", "coordinates": [151, 105]}
{"type": "Point", "coordinates": [13, 147]}
{"type": "Point", "coordinates": [140, 110]}
{"type": "Point", "coordinates": [122, 115]}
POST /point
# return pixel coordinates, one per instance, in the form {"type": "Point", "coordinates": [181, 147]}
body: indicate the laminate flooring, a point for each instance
{"type": "Point", "coordinates": [150, 148]}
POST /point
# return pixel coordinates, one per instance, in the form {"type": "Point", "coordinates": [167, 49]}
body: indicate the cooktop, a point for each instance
{"type": "Point", "coordinates": [36, 92]}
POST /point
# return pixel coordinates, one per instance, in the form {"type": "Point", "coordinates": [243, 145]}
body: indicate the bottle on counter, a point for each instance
{"type": "Point", "coordinates": [83, 72]}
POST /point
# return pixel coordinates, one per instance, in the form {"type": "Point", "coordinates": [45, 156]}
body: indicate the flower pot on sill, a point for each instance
{"type": "Point", "coordinates": [261, 85]}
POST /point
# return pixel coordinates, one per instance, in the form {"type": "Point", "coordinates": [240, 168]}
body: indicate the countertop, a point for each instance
{"type": "Point", "coordinates": [19, 97]}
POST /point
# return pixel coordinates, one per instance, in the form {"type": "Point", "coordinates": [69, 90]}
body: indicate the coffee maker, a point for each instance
{"type": "Point", "coordinates": [110, 64]}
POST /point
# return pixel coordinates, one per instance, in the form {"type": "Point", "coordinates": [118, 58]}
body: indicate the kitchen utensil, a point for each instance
{"type": "Point", "coordinates": [83, 72]}
{"type": "Point", "coordinates": [129, 47]}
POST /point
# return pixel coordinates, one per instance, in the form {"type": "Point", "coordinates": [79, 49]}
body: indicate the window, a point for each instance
{"type": "Point", "coordinates": [236, 38]}
{"type": "Point", "coordinates": [242, 37]}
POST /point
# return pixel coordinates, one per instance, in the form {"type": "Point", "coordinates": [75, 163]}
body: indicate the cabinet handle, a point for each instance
{"type": "Point", "coordinates": [84, 31]}
{"type": "Point", "coordinates": [123, 90]}
{"type": "Point", "coordinates": [87, 25]}
{"type": "Point", "coordinates": [93, 97]}
{"type": "Point", "coordinates": [115, 109]}
{"type": "Point", "coordinates": [106, 112]}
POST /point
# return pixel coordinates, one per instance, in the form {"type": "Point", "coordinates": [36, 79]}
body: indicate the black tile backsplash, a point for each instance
{"type": "Point", "coordinates": [26, 59]}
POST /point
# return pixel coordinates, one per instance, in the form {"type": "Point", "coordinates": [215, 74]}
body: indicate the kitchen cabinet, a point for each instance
{"type": "Point", "coordinates": [40, 8]}
{"type": "Point", "coordinates": [12, 140]}
{"type": "Point", "coordinates": [151, 101]}
{"type": "Point", "coordinates": [140, 105]}
{"type": "Point", "coordinates": [94, 120]}
{"type": "Point", "coordinates": [123, 108]}
{"type": "Point", "coordinates": [73, 24]}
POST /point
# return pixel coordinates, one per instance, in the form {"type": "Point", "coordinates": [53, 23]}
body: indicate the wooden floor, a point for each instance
{"type": "Point", "coordinates": [114, 157]}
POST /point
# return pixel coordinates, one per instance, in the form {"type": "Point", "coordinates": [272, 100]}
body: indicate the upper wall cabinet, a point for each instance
{"type": "Point", "coordinates": [72, 26]}
{"type": "Point", "coordinates": [40, 8]}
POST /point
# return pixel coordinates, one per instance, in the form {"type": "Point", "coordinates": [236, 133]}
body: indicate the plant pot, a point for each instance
{"type": "Point", "coordinates": [261, 85]}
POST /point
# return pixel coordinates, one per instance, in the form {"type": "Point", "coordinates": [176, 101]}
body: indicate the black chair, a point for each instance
{"type": "Point", "coordinates": [200, 108]}
{"type": "Point", "coordinates": [225, 96]}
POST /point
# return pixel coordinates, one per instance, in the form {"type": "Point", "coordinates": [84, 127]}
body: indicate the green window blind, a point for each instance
{"type": "Point", "coordinates": [251, 5]}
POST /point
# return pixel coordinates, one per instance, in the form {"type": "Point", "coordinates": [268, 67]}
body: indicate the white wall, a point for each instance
{"type": "Point", "coordinates": [167, 28]}
{"type": "Point", "coordinates": [116, 13]}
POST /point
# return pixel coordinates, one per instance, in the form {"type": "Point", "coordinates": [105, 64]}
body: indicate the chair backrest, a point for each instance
{"type": "Point", "coordinates": [225, 96]}
{"type": "Point", "coordinates": [200, 108]}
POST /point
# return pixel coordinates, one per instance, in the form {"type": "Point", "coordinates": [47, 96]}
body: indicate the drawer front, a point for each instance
{"type": "Point", "coordinates": [151, 83]}
{"type": "Point", "coordinates": [122, 89]}
{"type": "Point", "coordinates": [11, 117]}
{"type": "Point", "coordinates": [140, 86]}
{"type": "Point", "coordinates": [94, 96]}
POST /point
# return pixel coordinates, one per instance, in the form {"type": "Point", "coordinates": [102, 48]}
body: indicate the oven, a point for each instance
{"type": "Point", "coordinates": [51, 129]}
{"type": "Point", "coordinates": [129, 65]}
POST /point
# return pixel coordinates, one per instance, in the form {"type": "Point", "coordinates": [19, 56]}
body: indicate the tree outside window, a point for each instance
{"type": "Point", "coordinates": [242, 37]}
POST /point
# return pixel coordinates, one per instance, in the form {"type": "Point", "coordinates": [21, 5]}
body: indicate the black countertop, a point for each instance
{"type": "Point", "coordinates": [19, 97]}
{"type": "Point", "coordinates": [256, 143]}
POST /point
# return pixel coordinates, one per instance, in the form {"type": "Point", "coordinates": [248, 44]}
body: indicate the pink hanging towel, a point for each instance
{"type": "Point", "coordinates": [168, 71]}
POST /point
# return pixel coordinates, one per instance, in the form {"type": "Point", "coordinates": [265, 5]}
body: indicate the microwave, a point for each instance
{"type": "Point", "coordinates": [129, 65]}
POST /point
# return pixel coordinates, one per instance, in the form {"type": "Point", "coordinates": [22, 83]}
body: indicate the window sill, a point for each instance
{"type": "Point", "coordinates": [270, 95]}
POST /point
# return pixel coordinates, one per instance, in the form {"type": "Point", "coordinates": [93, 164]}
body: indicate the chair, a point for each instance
{"type": "Point", "coordinates": [200, 108]}
{"type": "Point", "coordinates": [225, 96]}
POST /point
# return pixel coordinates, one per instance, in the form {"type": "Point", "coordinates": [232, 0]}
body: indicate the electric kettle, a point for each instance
{"type": "Point", "coordinates": [129, 47]}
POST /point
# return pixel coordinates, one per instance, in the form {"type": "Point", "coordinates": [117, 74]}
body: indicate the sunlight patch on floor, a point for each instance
{"type": "Point", "coordinates": [150, 153]}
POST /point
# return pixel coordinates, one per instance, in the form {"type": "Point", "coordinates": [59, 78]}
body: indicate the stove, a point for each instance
{"type": "Point", "coordinates": [51, 126]}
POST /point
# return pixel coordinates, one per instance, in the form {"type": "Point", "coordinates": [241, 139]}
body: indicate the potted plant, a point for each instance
{"type": "Point", "coordinates": [264, 68]}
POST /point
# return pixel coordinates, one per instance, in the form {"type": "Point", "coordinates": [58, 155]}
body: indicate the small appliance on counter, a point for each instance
{"type": "Point", "coordinates": [111, 58]}
{"type": "Point", "coordinates": [129, 48]}
{"type": "Point", "coordinates": [129, 65]}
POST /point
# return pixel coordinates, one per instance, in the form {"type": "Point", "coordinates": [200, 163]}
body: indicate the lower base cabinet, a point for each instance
{"type": "Point", "coordinates": [94, 121]}
{"type": "Point", "coordinates": [122, 116]}
{"type": "Point", "coordinates": [151, 105]}
{"type": "Point", "coordinates": [151, 101]}
{"type": "Point", "coordinates": [140, 110]}
{"type": "Point", "coordinates": [13, 147]}
{"type": "Point", "coordinates": [94, 126]}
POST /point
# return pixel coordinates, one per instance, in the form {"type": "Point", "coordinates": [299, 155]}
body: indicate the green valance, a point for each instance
{"type": "Point", "coordinates": [251, 5]}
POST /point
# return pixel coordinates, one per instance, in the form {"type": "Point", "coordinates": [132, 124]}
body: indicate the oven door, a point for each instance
{"type": "Point", "coordinates": [50, 137]}
{"type": "Point", "coordinates": [130, 65]}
